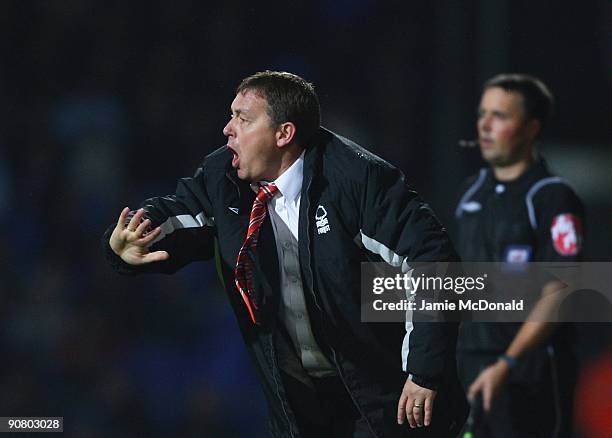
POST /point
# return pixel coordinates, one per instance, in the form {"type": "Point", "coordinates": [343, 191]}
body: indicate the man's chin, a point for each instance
{"type": "Point", "coordinates": [244, 175]}
{"type": "Point", "coordinates": [493, 162]}
{"type": "Point", "coordinates": [493, 159]}
{"type": "Point", "coordinates": [499, 162]}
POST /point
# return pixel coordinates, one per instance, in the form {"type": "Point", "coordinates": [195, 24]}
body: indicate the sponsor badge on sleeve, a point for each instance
{"type": "Point", "coordinates": [566, 233]}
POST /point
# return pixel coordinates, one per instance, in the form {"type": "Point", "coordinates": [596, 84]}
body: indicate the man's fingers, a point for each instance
{"type": "Point", "coordinates": [428, 410]}
{"type": "Point", "coordinates": [122, 218]}
{"type": "Point", "coordinates": [135, 221]}
{"type": "Point", "coordinates": [486, 398]}
{"type": "Point", "coordinates": [416, 404]}
{"type": "Point", "coordinates": [401, 408]}
{"type": "Point", "coordinates": [410, 414]}
{"type": "Point", "coordinates": [117, 238]}
{"type": "Point", "coordinates": [156, 256]}
{"type": "Point", "coordinates": [417, 412]}
{"type": "Point", "coordinates": [474, 389]}
{"type": "Point", "coordinates": [150, 237]}
{"type": "Point", "coordinates": [142, 227]}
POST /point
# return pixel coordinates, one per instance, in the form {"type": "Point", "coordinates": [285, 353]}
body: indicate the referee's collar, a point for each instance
{"type": "Point", "coordinates": [533, 173]}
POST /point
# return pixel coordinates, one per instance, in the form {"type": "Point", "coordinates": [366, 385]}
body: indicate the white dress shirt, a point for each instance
{"type": "Point", "coordinates": [284, 211]}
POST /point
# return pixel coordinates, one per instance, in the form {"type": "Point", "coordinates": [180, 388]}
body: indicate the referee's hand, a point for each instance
{"type": "Point", "coordinates": [415, 404]}
{"type": "Point", "coordinates": [489, 382]}
{"type": "Point", "coordinates": [131, 242]}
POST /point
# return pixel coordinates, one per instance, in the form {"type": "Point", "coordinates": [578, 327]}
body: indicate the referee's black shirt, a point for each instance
{"type": "Point", "coordinates": [536, 217]}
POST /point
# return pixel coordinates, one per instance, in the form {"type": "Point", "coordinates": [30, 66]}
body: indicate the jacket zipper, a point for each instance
{"type": "Point", "coordinates": [314, 296]}
{"type": "Point", "coordinates": [275, 367]}
{"type": "Point", "coordinates": [229, 176]}
{"type": "Point", "coordinates": [338, 368]}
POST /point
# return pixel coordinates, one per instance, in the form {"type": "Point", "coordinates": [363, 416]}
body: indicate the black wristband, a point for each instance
{"type": "Point", "coordinates": [511, 361]}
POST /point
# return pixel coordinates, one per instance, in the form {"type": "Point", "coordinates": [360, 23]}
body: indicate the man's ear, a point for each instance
{"type": "Point", "coordinates": [285, 134]}
{"type": "Point", "coordinates": [534, 126]}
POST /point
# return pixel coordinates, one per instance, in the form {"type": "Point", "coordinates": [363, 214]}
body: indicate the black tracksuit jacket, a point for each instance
{"type": "Point", "coordinates": [372, 215]}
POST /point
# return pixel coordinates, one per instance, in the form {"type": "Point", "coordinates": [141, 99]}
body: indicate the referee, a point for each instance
{"type": "Point", "coordinates": [515, 210]}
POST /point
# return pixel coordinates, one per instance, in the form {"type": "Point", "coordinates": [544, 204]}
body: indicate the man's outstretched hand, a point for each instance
{"type": "Point", "coordinates": [131, 243]}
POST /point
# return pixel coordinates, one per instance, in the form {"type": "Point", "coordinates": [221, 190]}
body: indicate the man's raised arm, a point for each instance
{"type": "Point", "coordinates": [165, 233]}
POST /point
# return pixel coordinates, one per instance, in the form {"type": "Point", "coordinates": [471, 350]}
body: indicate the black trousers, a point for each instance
{"type": "Point", "coordinates": [327, 410]}
{"type": "Point", "coordinates": [324, 409]}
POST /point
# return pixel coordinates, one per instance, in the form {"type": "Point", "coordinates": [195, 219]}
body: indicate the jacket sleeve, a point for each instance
{"type": "Point", "coordinates": [398, 226]}
{"type": "Point", "coordinates": [187, 228]}
{"type": "Point", "coordinates": [557, 216]}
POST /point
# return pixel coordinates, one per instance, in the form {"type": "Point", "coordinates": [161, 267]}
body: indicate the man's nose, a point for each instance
{"type": "Point", "coordinates": [484, 124]}
{"type": "Point", "coordinates": [227, 131]}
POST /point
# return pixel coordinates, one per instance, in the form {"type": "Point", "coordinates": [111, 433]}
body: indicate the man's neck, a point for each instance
{"type": "Point", "coordinates": [513, 171]}
{"type": "Point", "coordinates": [287, 160]}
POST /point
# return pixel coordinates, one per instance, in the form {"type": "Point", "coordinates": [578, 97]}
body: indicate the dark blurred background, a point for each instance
{"type": "Point", "coordinates": [105, 103]}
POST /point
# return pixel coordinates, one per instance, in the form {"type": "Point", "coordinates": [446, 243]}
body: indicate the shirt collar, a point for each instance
{"type": "Point", "coordinates": [289, 183]}
{"type": "Point", "coordinates": [536, 171]}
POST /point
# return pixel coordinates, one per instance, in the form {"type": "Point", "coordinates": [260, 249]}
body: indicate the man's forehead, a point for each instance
{"type": "Point", "coordinates": [253, 92]}
{"type": "Point", "coordinates": [497, 96]}
{"type": "Point", "coordinates": [248, 100]}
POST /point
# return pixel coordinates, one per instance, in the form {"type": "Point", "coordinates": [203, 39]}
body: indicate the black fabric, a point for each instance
{"type": "Point", "coordinates": [324, 409]}
{"type": "Point", "coordinates": [359, 193]}
{"type": "Point", "coordinates": [501, 223]}
{"type": "Point", "coordinates": [502, 220]}
{"type": "Point", "coordinates": [492, 218]}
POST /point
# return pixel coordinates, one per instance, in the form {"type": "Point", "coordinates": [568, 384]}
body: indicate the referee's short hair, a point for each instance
{"type": "Point", "coordinates": [539, 101]}
{"type": "Point", "coordinates": [290, 99]}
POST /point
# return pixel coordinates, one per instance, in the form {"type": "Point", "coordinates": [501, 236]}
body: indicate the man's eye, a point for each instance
{"type": "Point", "coordinates": [242, 119]}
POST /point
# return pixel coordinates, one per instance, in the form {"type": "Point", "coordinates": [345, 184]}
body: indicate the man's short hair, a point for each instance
{"type": "Point", "coordinates": [538, 99]}
{"type": "Point", "coordinates": [290, 99]}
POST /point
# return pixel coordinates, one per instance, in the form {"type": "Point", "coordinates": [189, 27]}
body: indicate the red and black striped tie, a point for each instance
{"type": "Point", "coordinates": [244, 264]}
